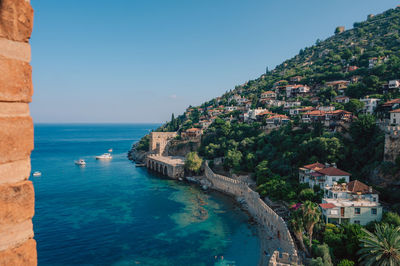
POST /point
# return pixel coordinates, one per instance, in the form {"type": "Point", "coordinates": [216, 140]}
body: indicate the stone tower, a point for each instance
{"type": "Point", "coordinates": [17, 199]}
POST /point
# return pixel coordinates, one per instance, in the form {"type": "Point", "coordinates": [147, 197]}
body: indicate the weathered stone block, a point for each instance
{"type": "Point", "coordinates": [16, 135]}
{"type": "Point", "coordinates": [17, 202]}
{"type": "Point", "coordinates": [24, 254]}
{"type": "Point", "coordinates": [13, 109]}
{"type": "Point", "coordinates": [15, 50]}
{"type": "Point", "coordinates": [12, 235]}
{"type": "Point", "coordinates": [16, 20]}
{"type": "Point", "coordinates": [15, 171]}
{"type": "Point", "coordinates": [15, 80]}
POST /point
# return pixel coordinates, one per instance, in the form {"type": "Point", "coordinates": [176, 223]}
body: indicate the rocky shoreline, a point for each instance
{"type": "Point", "coordinates": [136, 156]}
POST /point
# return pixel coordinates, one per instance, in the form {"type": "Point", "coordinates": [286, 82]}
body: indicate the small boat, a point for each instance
{"type": "Point", "coordinates": [105, 156]}
{"type": "Point", "coordinates": [80, 162]}
{"type": "Point", "coordinates": [37, 173]}
{"type": "Point", "coordinates": [110, 150]}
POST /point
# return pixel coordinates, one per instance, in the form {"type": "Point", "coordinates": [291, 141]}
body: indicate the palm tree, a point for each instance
{"type": "Point", "coordinates": [298, 228]}
{"type": "Point", "coordinates": [311, 216]}
{"type": "Point", "coordinates": [381, 248]}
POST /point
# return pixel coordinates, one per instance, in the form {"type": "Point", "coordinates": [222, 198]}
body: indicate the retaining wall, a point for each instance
{"type": "Point", "coordinates": [259, 210]}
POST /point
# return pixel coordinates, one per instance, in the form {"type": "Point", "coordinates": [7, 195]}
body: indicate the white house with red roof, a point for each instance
{"type": "Point", "coordinates": [293, 90]}
{"type": "Point", "coordinates": [352, 202]}
{"type": "Point", "coordinates": [342, 99]}
{"type": "Point", "coordinates": [322, 175]}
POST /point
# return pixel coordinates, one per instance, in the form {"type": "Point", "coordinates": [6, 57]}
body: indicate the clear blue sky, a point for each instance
{"type": "Point", "coordinates": [140, 61]}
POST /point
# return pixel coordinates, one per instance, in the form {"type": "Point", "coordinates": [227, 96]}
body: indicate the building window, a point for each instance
{"type": "Point", "coordinates": [357, 211]}
{"type": "Point", "coordinates": [373, 199]}
{"type": "Point", "coordinates": [374, 211]}
{"type": "Point", "coordinates": [335, 196]}
{"type": "Point", "coordinates": [356, 221]}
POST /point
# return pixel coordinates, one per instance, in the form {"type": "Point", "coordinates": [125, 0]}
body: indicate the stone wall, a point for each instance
{"type": "Point", "coordinates": [392, 143]}
{"type": "Point", "coordinates": [17, 246]}
{"type": "Point", "coordinates": [259, 210]}
{"type": "Point", "coordinates": [182, 147]}
{"type": "Point", "coordinates": [159, 140]}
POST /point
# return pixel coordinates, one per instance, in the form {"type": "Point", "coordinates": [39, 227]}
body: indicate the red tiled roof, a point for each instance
{"type": "Point", "coordinates": [395, 111]}
{"type": "Point", "coordinates": [279, 116]}
{"type": "Point", "coordinates": [316, 113]}
{"type": "Point", "coordinates": [341, 97]}
{"type": "Point", "coordinates": [337, 82]}
{"type": "Point", "coordinates": [336, 112]}
{"type": "Point", "coordinates": [333, 171]}
{"type": "Point", "coordinates": [391, 102]}
{"type": "Point", "coordinates": [314, 166]}
{"type": "Point", "coordinates": [193, 129]}
{"type": "Point", "coordinates": [358, 186]}
{"type": "Point", "coordinates": [265, 113]}
{"type": "Point", "coordinates": [307, 108]}
{"type": "Point", "coordinates": [327, 205]}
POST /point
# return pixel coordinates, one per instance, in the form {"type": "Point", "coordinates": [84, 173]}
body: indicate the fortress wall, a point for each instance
{"type": "Point", "coordinates": [272, 222]}
{"type": "Point", "coordinates": [17, 199]}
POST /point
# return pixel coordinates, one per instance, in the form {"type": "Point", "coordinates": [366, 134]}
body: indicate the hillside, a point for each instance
{"type": "Point", "coordinates": [322, 105]}
{"type": "Point", "coordinates": [319, 133]}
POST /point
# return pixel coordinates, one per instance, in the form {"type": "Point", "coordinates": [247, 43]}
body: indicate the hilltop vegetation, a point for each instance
{"type": "Point", "coordinates": [344, 56]}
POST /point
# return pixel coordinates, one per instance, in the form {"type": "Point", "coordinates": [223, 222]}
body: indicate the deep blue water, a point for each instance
{"type": "Point", "coordinates": [112, 213]}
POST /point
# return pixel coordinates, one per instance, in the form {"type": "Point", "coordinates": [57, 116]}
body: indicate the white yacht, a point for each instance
{"type": "Point", "coordinates": [37, 173]}
{"type": "Point", "coordinates": [110, 150]}
{"type": "Point", "coordinates": [105, 156]}
{"type": "Point", "coordinates": [80, 162]}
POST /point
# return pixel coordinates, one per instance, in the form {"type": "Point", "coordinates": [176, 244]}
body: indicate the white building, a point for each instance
{"type": "Point", "coordinates": [293, 90]}
{"type": "Point", "coordinates": [326, 108]}
{"type": "Point", "coordinates": [252, 114]}
{"type": "Point", "coordinates": [231, 108]}
{"type": "Point", "coordinates": [370, 105]}
{"type": "Point", "coordinates": [352, 202]}
{"type": "Point", "coordinates": [394, 84]}
{"type": "Point", "coordinates": [395, 117]}
{"type": "Point", "coordinates": [322, 175]}
{"type": "Point", "coordinates": [292, 104]}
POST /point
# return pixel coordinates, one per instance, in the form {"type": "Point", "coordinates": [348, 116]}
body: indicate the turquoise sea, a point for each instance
{"type": "Point", "coordinates": [112, 213]}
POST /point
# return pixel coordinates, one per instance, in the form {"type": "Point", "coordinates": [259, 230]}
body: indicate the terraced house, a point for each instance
{"type": "Point", "coordinates": [322, 175]}
{"type": "Point", "coordinates": [352, 202]}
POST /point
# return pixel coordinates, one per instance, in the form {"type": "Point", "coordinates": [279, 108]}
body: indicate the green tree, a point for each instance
{"type": "Point", "coordinates": [311, 216]}
{"type": "Point", "coordinates": [307, 194]}
{"type": "Point", "coordinates": [391, 218]}
{"type": "Point", "coordinates": [193, 162]}
{"type": "Point", "coordinates": [382, 247]}
{"type": "Point", "coordinates": [297, 225]}
{"type": "Point", "coordinates": [262, 172]}
{"type": "Point", "coordinates": [346, 262]}
{"type": "Point", "coordinates": [233, 159]}
{"type": "Point", "coordinates": [354, 106]}
{"type": "Point", "coordinates": [322, 251]}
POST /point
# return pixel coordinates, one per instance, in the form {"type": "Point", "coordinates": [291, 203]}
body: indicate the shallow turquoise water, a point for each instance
{"type": "Point", "coordinates": [112, 213]}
